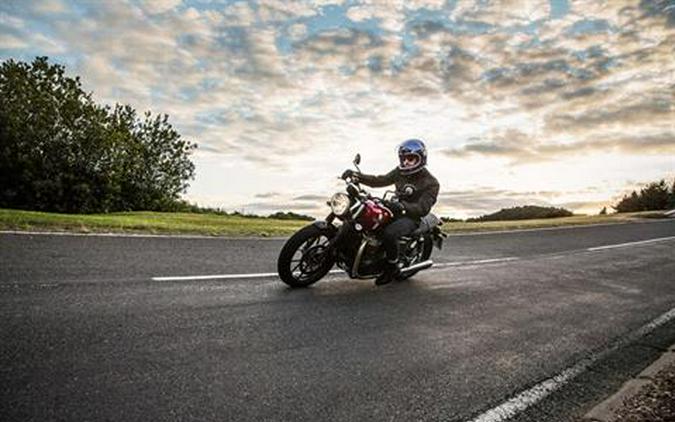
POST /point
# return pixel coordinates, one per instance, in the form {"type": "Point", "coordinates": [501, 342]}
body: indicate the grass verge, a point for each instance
{"type": "Point", "coordinates": [219, 225]}
{"type": "Point", "coordinates": [147, 222]}
{"type": "Point", "coordinates": [576, 220]}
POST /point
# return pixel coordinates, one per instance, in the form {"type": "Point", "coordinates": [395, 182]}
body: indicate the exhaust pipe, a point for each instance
{"type": "Point", "coordinates": [419, 266]}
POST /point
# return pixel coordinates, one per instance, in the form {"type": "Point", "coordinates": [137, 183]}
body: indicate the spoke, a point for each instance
{"type": "Point", "coordinates": [310, 243]}
{"type": "Point", "coordinates": [296, 267]}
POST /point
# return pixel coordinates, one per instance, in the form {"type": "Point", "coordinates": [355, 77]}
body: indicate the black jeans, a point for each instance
{"type": "Point", "coordinates": [400, 227]}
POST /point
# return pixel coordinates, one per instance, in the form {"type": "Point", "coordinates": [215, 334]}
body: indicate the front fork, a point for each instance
{"type": "Point", "coordinates": [337, 233]}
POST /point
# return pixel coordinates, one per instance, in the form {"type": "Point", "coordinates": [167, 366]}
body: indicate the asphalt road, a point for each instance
{"type": "Point", "coordinates": [87, 334]}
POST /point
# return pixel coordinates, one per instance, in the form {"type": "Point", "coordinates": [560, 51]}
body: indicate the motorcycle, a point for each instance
{"type": "Point", "coordinates": [350, 237]}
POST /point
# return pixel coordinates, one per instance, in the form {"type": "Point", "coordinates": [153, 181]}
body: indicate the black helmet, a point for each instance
{"type": "Point", "coordinates": [412, 156]}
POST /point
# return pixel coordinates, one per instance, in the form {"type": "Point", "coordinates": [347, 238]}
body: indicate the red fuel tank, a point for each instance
{"type": "Point", "coordinates": [374, 216]}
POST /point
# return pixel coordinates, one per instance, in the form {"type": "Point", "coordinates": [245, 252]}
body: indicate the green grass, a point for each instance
{"type": "Point", "coordinates": [219, 225]}
{"type": "Point", "coordinates": [147, 222]}
{"type": "Point", "coordinates": [576, 220]}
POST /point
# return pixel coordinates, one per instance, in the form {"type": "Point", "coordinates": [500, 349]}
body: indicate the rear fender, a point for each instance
{"type": "Point", "coordinates": [437, 237]}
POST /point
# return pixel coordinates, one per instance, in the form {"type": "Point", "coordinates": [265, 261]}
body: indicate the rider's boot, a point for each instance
{"type": "Point", "coordinates": [391, 271]}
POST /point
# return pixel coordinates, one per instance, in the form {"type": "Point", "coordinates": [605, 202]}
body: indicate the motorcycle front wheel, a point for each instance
{"type": "Point", "coordinates": [305, 258]}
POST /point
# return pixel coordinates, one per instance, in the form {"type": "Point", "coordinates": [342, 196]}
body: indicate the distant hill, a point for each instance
{"type": "Point", "coordinates": [526, 212]}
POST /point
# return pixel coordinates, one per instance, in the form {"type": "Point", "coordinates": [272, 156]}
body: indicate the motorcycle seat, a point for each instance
{"type": "Point", "coordinates": [427, 224]}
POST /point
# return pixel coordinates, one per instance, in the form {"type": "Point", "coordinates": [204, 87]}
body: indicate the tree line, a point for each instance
{"type": "Point", "coordinates": [61, 151]}
{"type": "Point", "coordinates": [523, 213]}
{"type": "Point", "coordinates": [653, 197]}
{"type": "Point", "coordinates": [184, 206]}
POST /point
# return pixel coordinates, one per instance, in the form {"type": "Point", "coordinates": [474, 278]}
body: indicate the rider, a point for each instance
{"type": "Point", "coordinates": [416, 190]}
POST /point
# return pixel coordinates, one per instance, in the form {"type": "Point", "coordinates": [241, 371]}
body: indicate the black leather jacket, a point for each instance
{"type": "Point", "coordinates": [423, 185]}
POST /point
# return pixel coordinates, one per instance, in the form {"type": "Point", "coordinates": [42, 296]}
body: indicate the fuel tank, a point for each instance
{"type": "Point", "coordinates": [374, 216]}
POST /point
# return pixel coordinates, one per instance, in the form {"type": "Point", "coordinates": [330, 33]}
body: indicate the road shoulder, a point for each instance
{"type": "Point", "coordinates": [602, 379]}
{"type": "Point", "coordinates": [648, 397]}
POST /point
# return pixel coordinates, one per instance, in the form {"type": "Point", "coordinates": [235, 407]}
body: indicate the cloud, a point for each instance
{"type": "Point", "coordinates": [485, 200]}
{"type": "Point", "coordinates": [321, 198]}
{"type": "Point", "coordinates": [520, 148]}
{"type": "Point", "coordinates": [49, 6]}
{"type": "Point", "coordinates": [267, 195]}
{"type": "Point", "coordinates": [283, 87]}
{"type": "Point", "coordinates": [659, 107]}
{"type": "Point", "coordinates": [267, 208]}
{"type": "Point", "coordinates": [11, 22]}
{"type": "Point", "coordinates": [160, 6]}
{"type": "Point", "coordinates": [11, 42]}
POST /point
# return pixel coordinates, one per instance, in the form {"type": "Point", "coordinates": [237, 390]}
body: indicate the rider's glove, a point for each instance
{"type": "Point", "coordinates": [350, 174]}
{"type": "Point", "coordinates": [396, 207]}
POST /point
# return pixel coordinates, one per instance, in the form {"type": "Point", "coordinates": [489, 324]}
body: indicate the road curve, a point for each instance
{"type": "Point", "coordinates": [87, 334]}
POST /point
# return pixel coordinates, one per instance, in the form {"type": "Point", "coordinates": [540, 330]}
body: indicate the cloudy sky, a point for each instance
{"type": "Point", "coordinates": [561, 102]}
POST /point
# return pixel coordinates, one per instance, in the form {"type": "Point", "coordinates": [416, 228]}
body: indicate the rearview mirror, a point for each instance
{"type": "Point", "coordinates": [357, 159]}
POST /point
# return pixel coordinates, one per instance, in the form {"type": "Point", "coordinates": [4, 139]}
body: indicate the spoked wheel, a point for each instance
{"type": "Point", "coordinates": [305, 259]}
{"type": "Point", "coordinates": [421, 254]}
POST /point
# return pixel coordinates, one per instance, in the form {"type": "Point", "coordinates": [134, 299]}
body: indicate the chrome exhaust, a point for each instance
{"type": "Point", "coordinates": [419, 266]}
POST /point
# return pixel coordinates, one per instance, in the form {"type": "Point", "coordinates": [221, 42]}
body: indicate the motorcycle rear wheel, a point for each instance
{"type": "Point", "coordinates": [424, 254]}
{"type": "Point", "coordinates": [304, 259]}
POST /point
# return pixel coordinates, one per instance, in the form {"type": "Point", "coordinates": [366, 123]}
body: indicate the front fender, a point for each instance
{"type": "Point", "coordinates": [324, 225]}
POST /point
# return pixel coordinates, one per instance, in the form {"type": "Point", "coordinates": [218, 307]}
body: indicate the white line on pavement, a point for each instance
{"type": "Point", "coordinates": [479, 261]}
{"type": "Point", "coordinates": [436, 265]}
{"type": "Point", "coordinates": [623, 245]}
{"type": "Point", "coordinates": [531, 396]}
{"type": "Point", "coordinates": [222, 276]}
{"type": "Point", "coordinates": [264, 275]}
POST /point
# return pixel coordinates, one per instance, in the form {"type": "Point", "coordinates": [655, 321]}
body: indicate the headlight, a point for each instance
{"type": "Point", "coordinates": [339, 204]}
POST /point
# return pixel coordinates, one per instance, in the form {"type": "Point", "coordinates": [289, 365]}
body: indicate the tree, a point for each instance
{"type": "Point", "coordinates": [629, 203]}
{"type": "Point", "coordinates": [654, 196]}
{"type": "Point", "coordinates": [60, 151]}
{"type": "Point", "coordinates": [603, 211]}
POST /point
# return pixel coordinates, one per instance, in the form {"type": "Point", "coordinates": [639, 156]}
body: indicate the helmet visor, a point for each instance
{"type": "Point", "coordinates": [409, 160]}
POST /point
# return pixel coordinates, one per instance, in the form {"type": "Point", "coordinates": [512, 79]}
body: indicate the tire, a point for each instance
{"type": "Point", "coordinates": [290, 267]}
{"type": "Point", "coordinates": [426, 254]}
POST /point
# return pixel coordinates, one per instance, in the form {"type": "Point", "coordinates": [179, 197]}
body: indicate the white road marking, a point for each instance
{"type": "Point", "coordinates": [623, 245]}
{"type": "Point", "coordinates": [533, 395]}
{"type": "Point", "coordinates": [478, 261]}
{"type": "Point", "coordinates": [265, 275]}
{"type": "Point", "coordinates": [223, 276]}
{"type": "Point", "coordinates": [436, 265]}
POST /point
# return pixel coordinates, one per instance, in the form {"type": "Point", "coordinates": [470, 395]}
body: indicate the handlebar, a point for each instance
{"type": "Point", "coordinates": [354, 189]}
